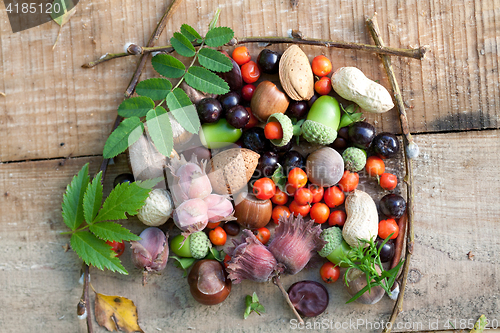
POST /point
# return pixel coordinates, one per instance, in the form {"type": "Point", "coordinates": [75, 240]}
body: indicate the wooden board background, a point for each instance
{"type": "Point", "coordinates": [55, 109]}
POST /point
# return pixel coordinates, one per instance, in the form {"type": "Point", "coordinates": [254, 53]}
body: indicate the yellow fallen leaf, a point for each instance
{"type": "Point", "coordinates": [116, 313]}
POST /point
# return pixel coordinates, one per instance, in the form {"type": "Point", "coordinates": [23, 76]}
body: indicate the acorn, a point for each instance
{"type": "Point", "coordinates": [335, 246]}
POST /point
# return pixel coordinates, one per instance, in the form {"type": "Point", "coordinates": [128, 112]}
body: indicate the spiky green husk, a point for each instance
{"type": "Point", "coordinates": [286, 125]}
{"type": "Point", "coordinates": [333, 238]}
{"type": "Point", "coordinates": [315, 132]}
{"type": "Point", "coordinates": [199, 244]}
{"type": "Point", "coordinates": [354, 159]}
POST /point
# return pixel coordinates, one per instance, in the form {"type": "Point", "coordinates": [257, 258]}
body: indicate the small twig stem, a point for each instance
{"type": "Point", "coordinates": [398, 307]}
{"type": "Point", "coordinates": [277, 282]}
{"type": "Point", "coordinates": [85, 299]}
{"type": "Point", "coordinates": [417, 53]}
{"type": "Point", "coordinates": [144, 57]}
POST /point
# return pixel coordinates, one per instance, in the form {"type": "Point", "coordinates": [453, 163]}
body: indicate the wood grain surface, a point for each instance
{"type": "Point", "coordinates": [39, 278]}
{"type": "Point", "coordinates": [56, 116]}
{"type": "Point", "coordinates": [54, 108]}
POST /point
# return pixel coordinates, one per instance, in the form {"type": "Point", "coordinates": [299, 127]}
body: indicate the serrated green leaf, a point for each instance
{"type": "Point", "coordinates": [135, 107]}
{"type": "Point", "coordinates": [190, 33]}
{"type": "Point", "coordinates": [124, 198]}
{"type": "Point", "coordinates": [94, 251]}
{"type": "Point", "coordinates": [92, 199]}
{"type": "Point", "coordinates": [168, 66]}
{"type": "Point", "coordinates": [214, 20]}
{"type": "Point", "coordinates": [155, 88]}
{"type": "Point", "coordinates": [214, 60]}
{"type": "Point", "coordinates": [219, 36]}
{"type": "Point", "coordinates": [149, 183]}
{"type": "Point", "coordinates": [72, 205]}
{"type": "Point", "coordinates": [128, 132]}
{"type": "Point", "coordinates": [111, 231]}
{"type": "Point", "coordinates": [160, 130]}
{"type": "Point", "coordinates": [182, 45]}
{"type": "Point", "coordinates": [183, 110]}
{"type": "Point", "coordinates": [203, 80]}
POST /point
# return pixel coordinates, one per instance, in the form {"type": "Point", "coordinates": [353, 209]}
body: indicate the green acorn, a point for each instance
{"type": "Point", "coordinates": [323, 121]}
{"type": "Point", "coordinates": [354, 159]}
{"type": "Point", "coordinates": [199, 244]}
{"type": "Point", "coordinates": [335, 245]}
{"type": "Point", "coordinates": [315, 132]}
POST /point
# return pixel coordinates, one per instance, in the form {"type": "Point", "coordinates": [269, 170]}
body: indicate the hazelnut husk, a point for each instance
{"type": "Point", "coordinates": [267, 100]}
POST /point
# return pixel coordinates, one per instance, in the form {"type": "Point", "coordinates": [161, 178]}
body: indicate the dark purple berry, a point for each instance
{"type": "Point", "coordinates": [268, 61]}
{"type": "Point", "coordinates": [385, 145]}
{"type": "Point", "coordinates": [209, 110]}
{"type": "Point", "coordinates": [297, 109]}
{"type": "Point", "coordinates": [230, 100]}
{"type": "Point", "coordinates": [254, 139]}
{"type": "Point", "coordinates": [268, 163]}
{"type": "Point", "coordinates": [238, 116]}
{"type": "Point", "coordinates": [361, 134]}
{"type": "Point", "coordinates": [392, 205]}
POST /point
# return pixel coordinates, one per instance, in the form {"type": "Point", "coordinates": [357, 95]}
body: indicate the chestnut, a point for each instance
{"type": "Point", "coordinates": [252, 213]}
{"type": "Point", "coordinates": [357, 281]}
{"type": "Point", "coordinates": [268, 99]}
{"type": "Point", "coordinates": [310, 298]}
{"type": "Point", "coordinates": [208, 282]}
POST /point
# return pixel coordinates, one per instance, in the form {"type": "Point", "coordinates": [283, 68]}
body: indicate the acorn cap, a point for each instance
{"type": "Point", "coordinates": [354, 159]}
{"type": "Point", "coordinates": [199, 244]}
{"type": "Point", "coordinates": [333, 238]}
{"type": "Point", "coordinates": [286, 126]}
{"type": "Point", "coordinates": [315, 132]}
{"type": "Point", "coordinates": [231, 169]}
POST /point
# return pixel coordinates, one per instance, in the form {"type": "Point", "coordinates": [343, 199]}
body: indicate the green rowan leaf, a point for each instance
{"type": "Point", "coordinates": [183, 110]}
{"type": "Point", "coordinates": [135, 107]}
{"type": "Point", "coordinates": [155, 88]}
{"type": "Point", "coordinates": [214, 60]}
{"type": "Point", "coordinates": [128, 132]}
{"type": "Point", "coordinates": [203, 80]}
{"type": "Point", "coordinates": [94, 251]}
{"type": "Point", "coordinates": [111, 231]}
{"type": "Point", "coordinates": [72, 205]}
{"type": "Point", "coordinates": [182, 45]}
{"type": "Point", "coordinates": [190, 33]}
{"type": "Point", "coordinates": [92, 199]}
{"type": "Point", "coordinates": [124, 198]}
{"type": "Point", "coordinates": [160, 130]}
{"type": "Point", "coordinates": [168, 66]}
{"type": "Point", "coordinates": [219, 36]}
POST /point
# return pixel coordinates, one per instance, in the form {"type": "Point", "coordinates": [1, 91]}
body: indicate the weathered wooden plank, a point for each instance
{"type": "Point", "coordinates": [54, 108]}
{"type": "Point", "coordinates": [457, 211]}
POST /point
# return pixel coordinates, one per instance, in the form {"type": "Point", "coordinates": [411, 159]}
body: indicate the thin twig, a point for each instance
{"type": "Point", "coordinates": [159, 29]}
{"type": "Point", "coordinates": [277, 281]}
{"type": "Point", "coordinates": [417, 53]}
{"type": "Point", "coordinates": [84, 304]}
{"type": "Point", "coordinates": [104, 165]}
{"type": "Point", "coordinates": [3, 94]}
{"type": "Point", "coordinates": [407, 140]}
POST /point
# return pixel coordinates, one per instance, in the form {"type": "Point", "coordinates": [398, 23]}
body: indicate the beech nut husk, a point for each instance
{"type": "Point", "coordinates": [268, 99]}
{"type": "Point", "coordinates": [252, 213]}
